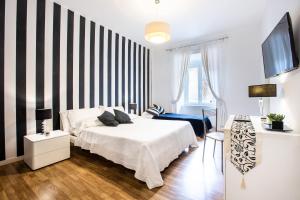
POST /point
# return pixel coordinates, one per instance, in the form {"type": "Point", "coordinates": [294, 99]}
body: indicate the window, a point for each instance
{"type": "Point", "coordinates": [196, 91]}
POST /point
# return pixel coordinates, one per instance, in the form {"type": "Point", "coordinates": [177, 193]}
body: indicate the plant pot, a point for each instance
{"type": "Point", "coordinates": [277, 125]}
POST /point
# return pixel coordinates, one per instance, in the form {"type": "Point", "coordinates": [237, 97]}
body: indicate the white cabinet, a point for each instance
{"type": "Point", "coordinates": [276, 176]}
{"type": "Point", "coordinates": [41, 150]}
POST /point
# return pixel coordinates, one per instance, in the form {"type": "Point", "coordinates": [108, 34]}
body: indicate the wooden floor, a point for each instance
{"type": "Point", "coordinates": [87, 176]}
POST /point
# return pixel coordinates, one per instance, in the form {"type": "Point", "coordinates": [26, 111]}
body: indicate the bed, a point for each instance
{"type": "Point", "coordinates": [195, 120]}
{"type": "Point", "coordinates": [147, 146]}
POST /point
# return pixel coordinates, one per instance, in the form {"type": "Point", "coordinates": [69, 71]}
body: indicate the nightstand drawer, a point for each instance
{"type": "Point", "coordinates": [42, 160]}
{"type": "Point", "coordinates": [47, 145]}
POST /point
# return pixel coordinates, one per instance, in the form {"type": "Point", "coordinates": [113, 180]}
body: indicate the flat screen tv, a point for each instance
{"type": "Point", "coordinates": [279, 53]}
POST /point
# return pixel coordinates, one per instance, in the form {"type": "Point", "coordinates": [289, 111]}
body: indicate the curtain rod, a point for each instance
{"type": "Point", "coordinates": [197, 44]}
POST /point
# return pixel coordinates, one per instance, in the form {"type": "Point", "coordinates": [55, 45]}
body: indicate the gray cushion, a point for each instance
{"type": "Point", "coordinates": [108, 119]}
{"type": "Point", "coordinates": [122, 117]}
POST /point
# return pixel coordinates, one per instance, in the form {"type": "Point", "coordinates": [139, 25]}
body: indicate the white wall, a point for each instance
{"type": "Point", "coordinates": [162, 78]}
{"type": "Point", "coordinates": [289, 96]}
{"type": "Point", "coordinates": [242, 67]}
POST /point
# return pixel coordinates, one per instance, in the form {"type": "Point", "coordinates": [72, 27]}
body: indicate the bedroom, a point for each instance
{"type": "Point", "coordinates": [65, 62]}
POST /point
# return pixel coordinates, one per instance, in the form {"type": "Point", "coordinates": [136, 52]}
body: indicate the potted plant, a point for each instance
{"type": "Point", "coordinates": [276, 120]}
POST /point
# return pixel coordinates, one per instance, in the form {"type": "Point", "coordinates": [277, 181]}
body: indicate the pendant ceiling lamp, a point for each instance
{"type": "Point", "coordinates": [157, 32]}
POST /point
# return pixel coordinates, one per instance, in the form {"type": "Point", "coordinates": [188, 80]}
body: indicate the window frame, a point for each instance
{"type": "Point", "coordinates": [200, 85]}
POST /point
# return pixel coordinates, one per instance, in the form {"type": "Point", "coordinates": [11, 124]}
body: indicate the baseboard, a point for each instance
{"type": "Point", "coordinates": [11, 160]}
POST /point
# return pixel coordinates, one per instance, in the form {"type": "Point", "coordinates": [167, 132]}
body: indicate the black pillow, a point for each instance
{"type": "Point", "coordinates": [122, 117]}
{"type": "Point", "coordinates": [108, 119]}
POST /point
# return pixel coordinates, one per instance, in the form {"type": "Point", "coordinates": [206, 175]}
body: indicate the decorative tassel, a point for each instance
{"type": "Point", "coordinates": [243, 184]}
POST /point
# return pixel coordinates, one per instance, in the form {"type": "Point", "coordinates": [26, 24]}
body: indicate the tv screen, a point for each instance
{"type": "Point", "coordinates": [279, 54]}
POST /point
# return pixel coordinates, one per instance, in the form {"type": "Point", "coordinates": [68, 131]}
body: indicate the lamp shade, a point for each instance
{"type": "Point", "coordinates": [265, 90]}
{"type": "Point", "coordinates": [132, 106]}
{"type": "Point", "coordinates": [157, 32]}
{"type": "Point", "coordinates": [42, 114]}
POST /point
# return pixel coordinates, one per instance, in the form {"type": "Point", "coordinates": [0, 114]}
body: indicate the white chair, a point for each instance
{"type": "Point", "coordinates": [216, 135]}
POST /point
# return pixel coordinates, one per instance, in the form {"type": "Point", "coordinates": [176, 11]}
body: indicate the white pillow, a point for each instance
{"type": "Point", "coordinates": [65, 121]}
{"type": "Point", "coordinates": [133, 116]}
{"type": "Point", "coordinates": [111, 109]}
{"type": "Point", "coordinates": [80, 115]}
{"type": "Point", "coordinates": [92, 122]}
{"type": "Point", "coordinates": [101, 107]}
{"type": "Point", "coordinates": [147, 115]}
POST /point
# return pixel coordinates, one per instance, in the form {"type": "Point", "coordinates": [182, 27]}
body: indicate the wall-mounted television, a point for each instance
{"type": "Point", "coordinates": [279, 52]}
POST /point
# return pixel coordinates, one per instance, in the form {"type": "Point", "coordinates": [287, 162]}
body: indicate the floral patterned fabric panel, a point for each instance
{"type": "Point", "coordinates": [243, 146]}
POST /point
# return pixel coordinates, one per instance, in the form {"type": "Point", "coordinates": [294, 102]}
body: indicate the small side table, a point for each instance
{"type": "Point", "coordinates": [41, 150]}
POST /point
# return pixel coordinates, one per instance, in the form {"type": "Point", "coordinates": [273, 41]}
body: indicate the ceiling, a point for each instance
{"type": "Point", "coordinates": [189, 19]}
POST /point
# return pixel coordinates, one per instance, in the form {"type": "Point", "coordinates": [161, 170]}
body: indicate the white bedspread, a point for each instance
{"type": "Point", "coordinates": [147, 146]}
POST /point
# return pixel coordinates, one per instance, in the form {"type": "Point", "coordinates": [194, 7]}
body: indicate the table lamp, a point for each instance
{"type": "Point", "coordinates": [43, 114]}
{"type": "Point", "coordinates": [265, 90]}
{"type": "Point", "coordinates": [132, 106]}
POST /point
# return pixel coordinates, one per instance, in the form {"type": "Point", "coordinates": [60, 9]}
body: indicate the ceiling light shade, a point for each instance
{"type": "Point", "coordinates": [157, 32]}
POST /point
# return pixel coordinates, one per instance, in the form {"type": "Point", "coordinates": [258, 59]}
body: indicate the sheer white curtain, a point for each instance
{"type": "Point", "coordinates": [212, 59]}
{"type": "Point", "coordinates": [181, 63]}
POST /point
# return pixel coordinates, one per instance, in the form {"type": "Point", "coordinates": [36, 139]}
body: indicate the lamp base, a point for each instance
{"type": "Point", "coordinates": [45, 129]}
{"type": "Point", "coordinates": [261, 107]}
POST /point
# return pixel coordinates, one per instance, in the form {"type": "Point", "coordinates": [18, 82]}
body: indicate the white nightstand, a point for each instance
{"type": "Point", "coordinates": [41, 150]}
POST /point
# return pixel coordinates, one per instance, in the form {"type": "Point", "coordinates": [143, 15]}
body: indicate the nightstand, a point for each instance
{"type": "Point", "coordinates": [41, 150]}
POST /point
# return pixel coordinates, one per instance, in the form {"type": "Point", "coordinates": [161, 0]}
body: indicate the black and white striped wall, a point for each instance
{"type": "Point", "coordinates": [52, 57]}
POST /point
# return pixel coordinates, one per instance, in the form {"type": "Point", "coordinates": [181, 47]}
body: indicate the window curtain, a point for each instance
{"type": "Point", "coordinates": [181, 62]}
{"type": "Point", "coordinates": [212, 61]}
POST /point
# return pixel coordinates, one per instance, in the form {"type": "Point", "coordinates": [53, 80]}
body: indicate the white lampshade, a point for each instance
{"type": "Point", "coordinates": [157, 32]}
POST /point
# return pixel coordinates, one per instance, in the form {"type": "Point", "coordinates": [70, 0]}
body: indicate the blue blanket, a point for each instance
{"type": "Point", "coordinates": [195, 120]}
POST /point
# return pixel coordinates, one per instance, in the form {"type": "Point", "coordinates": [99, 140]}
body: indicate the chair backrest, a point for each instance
{"type": "Point", "coordinates": [207, 112]}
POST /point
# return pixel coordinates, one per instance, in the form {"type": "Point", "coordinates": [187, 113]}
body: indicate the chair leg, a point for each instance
{"type": "Point", "coordinates": [203, 149]}
{"type": "Point", "coordinates": [214, 148]}
{"type": "Point", "coordinates": [222, 157]}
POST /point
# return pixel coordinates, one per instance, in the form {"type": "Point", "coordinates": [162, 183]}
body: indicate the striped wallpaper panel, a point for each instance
{"type": "Point", "coordinates": [2, 110]}
{"type": "Point", "coordinates": [21, 56]}
{"type": "Point", "coordinates": [52, 57]}
{"type": "Point", "coordinates": [40, 57]}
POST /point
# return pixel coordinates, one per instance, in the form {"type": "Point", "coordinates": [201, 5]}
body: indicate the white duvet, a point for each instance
{"type": "Point", "coordinates": [147, 146]}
